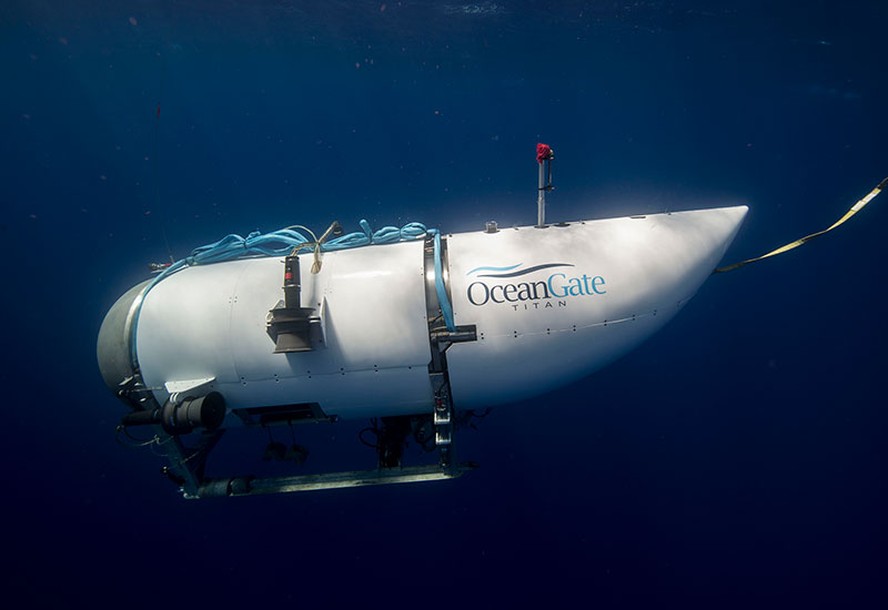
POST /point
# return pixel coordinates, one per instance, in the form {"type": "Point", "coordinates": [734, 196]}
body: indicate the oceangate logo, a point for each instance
{"type": "Point", "coordinates": [557, 287]}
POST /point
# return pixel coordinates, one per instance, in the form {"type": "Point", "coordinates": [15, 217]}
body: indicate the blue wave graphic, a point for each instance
{"type": "Point", "coordinates": [477, 269]}
{"type": "Point", "coordinates": [528, 270]}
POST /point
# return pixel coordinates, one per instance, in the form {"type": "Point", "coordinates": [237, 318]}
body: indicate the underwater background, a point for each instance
{"type": "Point", "coordinates": [736, 459]}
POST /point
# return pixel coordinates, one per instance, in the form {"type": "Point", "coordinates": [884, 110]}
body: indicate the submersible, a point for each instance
{"type": "Point", "coordinates": [410, 327]}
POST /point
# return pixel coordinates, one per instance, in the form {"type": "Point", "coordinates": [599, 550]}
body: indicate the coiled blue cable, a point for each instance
{"type": "Point", "coordinates": [284, 241]}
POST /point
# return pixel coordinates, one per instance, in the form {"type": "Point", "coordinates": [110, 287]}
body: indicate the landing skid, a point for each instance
{"type": "Point", "coordinates": [248, 486]}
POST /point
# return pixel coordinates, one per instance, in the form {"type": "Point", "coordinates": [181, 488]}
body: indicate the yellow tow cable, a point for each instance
{"type": "Point", "coordinates": [790, 246]}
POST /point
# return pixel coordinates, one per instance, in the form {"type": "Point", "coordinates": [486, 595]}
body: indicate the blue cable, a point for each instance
{"type": "Point", "coordinates": [443, 301]}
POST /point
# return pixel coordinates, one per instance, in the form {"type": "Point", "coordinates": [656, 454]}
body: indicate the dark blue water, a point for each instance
{"type": "Point", "coordinates": [737, 459]}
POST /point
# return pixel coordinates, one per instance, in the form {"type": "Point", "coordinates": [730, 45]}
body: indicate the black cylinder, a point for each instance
{"type": "Point", "coordinates": [292, 282]}
{"type": "Point", "coordinates": [141, 418]}
{"type": "Point", "coordinates": [202, 412]}
{"type": "Point", "coordinates": [181, 418]}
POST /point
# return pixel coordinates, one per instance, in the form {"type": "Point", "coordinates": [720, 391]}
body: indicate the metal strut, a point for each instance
{"type": "Point", "coordinates": [442, 334]}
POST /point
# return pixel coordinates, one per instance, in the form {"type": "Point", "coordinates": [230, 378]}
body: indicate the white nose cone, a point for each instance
{"type": "Point", "coordinates": [552, 305]}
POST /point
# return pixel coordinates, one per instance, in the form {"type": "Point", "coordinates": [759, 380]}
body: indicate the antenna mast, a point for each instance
{"type": "Point", "coordinates": [545, 156]}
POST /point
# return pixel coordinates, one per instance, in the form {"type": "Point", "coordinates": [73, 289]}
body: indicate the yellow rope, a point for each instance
{"type": "Point", "coordinates": [792, 245]}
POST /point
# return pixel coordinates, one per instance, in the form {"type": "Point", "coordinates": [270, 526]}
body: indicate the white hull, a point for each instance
{"type": "Point", "coordinates": [599, 289]}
